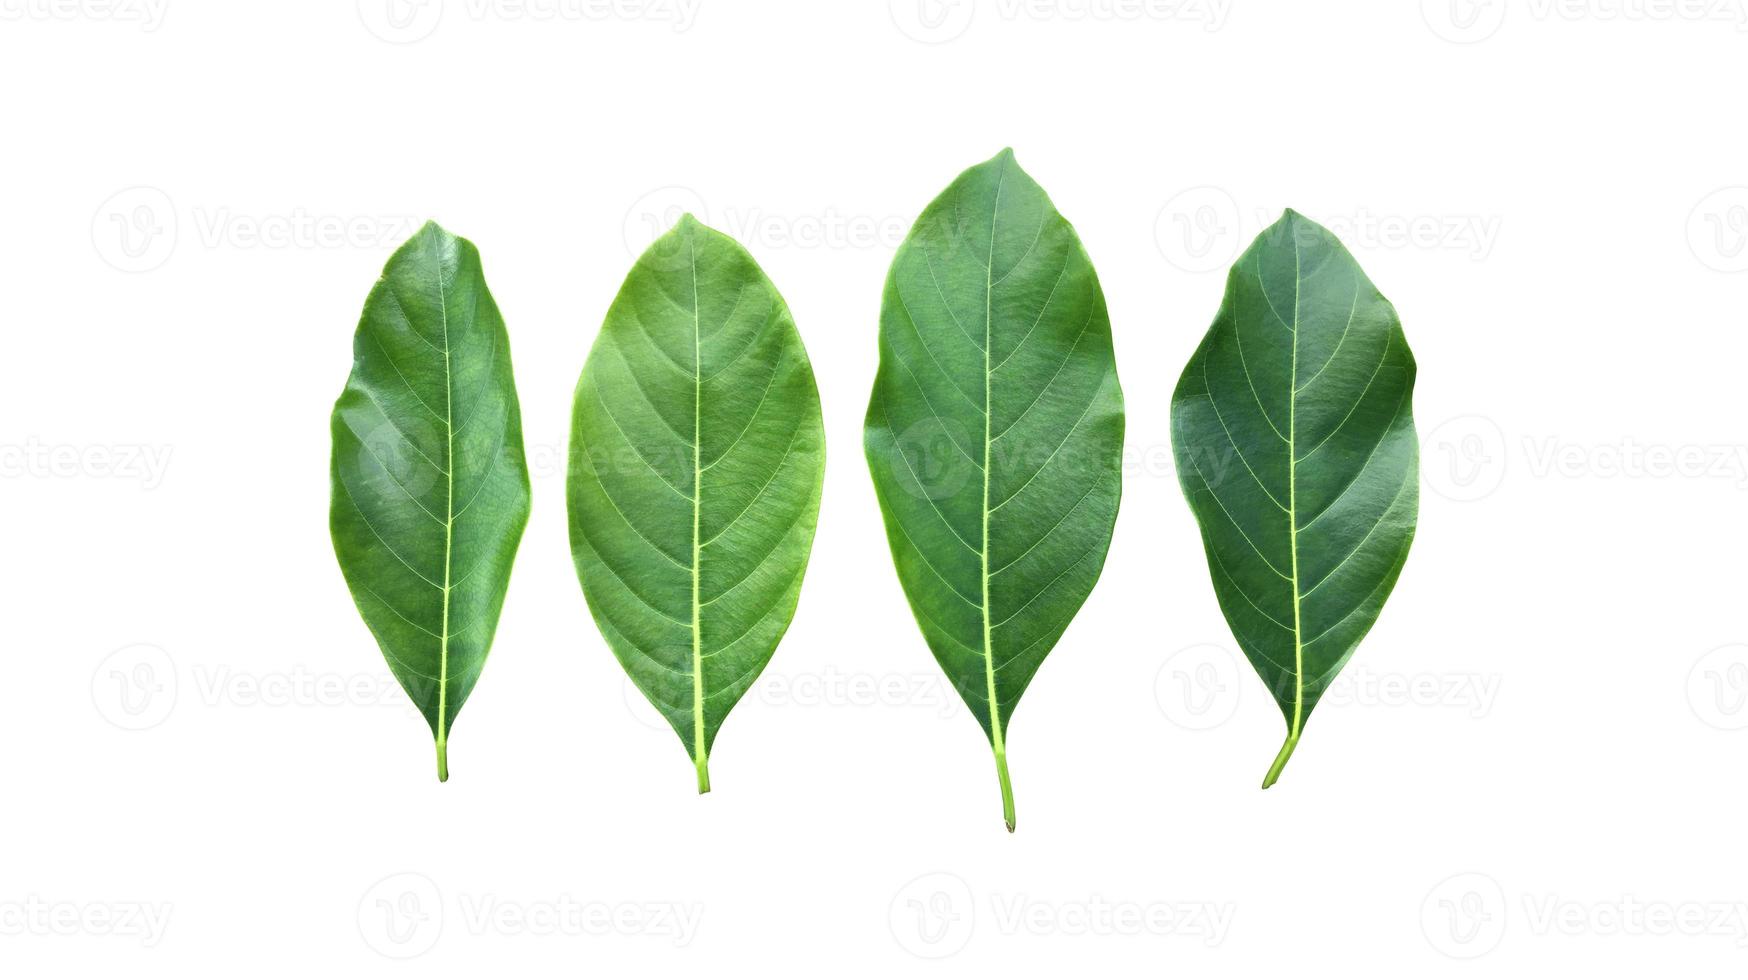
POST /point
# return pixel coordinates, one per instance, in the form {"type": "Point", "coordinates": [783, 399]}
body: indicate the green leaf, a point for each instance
{"type": "Point", "coordinates": [430, 489]}
{"type": "Point", "coordinates": [995, 434]}
{"type": "Point", "coordinates": [1294, 437]}
{"type": "Point", "coordinates": [697, 458]}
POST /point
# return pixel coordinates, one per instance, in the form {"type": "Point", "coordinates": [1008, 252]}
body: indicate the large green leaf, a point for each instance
{"type": "Point", "coordinates": [430, 488]}
{"type": "Point", "coordinates": [1295, 445]}
{"type": "Point", "coordinates": [697, 458]}
{"type": "Point", "coordinates": [995, 434]}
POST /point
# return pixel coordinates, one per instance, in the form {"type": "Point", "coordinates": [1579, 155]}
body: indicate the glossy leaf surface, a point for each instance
{"type": "Point", "coordinates": [697, 458]}
{"type": "Point", "coordinates": [430, 488]}
{"type": "Point", "coordinates": [994, 434]}
{"type": "Point", "coordinates": [1294, 437]}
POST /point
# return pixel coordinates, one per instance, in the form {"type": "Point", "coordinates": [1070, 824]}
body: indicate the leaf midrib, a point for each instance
{"type": "Point", "coordinates": [1292, 506]}
{"type": "Point", "coordinates": [997, 740]}
{"type": "Point", "coordinates": [699, 756]}
{"type": "Point", "coordinates": [448, 529]}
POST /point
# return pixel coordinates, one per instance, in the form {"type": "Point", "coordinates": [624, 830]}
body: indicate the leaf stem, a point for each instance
{"type": "Point", "coordinates": [442, 760]}
{"type": "Point", "coordinates": [1007, 786]}
{"type": "Point", "coordinates": [1281, 759]}
{"type": "Point", "coordinates": [703, 774]}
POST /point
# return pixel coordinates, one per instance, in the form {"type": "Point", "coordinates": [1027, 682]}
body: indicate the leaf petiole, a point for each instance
{"type": "Point", "coordinates": [1007, 787]}
{"type": "Point", "coordinates": [1281, 760]}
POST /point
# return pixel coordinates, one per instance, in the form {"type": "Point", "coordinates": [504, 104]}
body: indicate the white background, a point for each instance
{"type": "Point", "coordinates": [1537, 761]}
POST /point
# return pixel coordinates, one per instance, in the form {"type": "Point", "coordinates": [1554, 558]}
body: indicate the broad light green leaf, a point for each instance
{"type": "Point", "coordinates": [697, 458]}
{"type": "Point", "coordinates": [1294, 437]}
{"type": "Point", "coordinates": [995, 434]}
{"type": "Point", "coordinates": [430, 488]}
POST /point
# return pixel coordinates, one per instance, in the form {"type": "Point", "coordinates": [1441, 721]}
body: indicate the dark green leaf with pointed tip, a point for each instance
{"type": "Point", "coordinates": [1294, 437]}
{"type": "Point", "coordinates": [697, 459]}
{"type": "Point", "coordinates": [995, 433]}
{"type": "Point", "coordinates": [430, 488]}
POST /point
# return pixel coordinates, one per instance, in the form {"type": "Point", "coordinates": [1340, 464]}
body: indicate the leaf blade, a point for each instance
{"type": "Point", "coordinates": [425, 550]}
{"type": "Point", "coordinates": [697, 462]}
{"type": "Point", "coordinates": [1293, 430]}
{"type": "Point", "coordinates": [996, 396]}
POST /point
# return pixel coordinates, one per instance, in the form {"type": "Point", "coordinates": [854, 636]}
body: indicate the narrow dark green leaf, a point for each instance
{"type": "Point", "coordinates": [995, 434]}
{"type": "Point", "coordinates": [697, 459]}
{"type": "Point", "coordinates": [1294, 437]}
{"type": "Point", "coordinates": [430, 488]}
